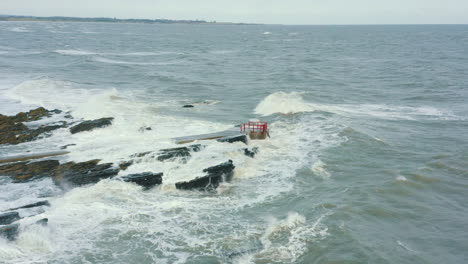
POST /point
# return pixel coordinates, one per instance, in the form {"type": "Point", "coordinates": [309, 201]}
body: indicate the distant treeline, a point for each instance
{"type": "Point", "coordinates": [100, 19]}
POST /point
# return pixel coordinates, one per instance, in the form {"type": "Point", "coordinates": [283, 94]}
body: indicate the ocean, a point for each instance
{"type": "Point", "coordinates": [367, 160]}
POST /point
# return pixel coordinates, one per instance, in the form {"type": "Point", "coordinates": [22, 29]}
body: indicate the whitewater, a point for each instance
{"type": "Point", "coordinates": [366, 162]}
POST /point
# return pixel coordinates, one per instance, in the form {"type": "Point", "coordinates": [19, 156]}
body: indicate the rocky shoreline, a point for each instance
{"type": "Point", "coordinates": [13, 131]}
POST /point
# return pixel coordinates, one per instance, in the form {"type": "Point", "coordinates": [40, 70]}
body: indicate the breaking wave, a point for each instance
{"type": "Point", "coordinates": [290, 103]}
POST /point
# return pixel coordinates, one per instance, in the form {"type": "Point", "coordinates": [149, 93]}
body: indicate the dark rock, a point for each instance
{"type": "Point", "coordinates": [66, 146]}
{"type": "Point", "coordinates": [144, 128]}
{"type": "Point", "coordinates": [9, 231]}
{"type": "Point", "coordinates": [8, 218]}
{"type": "Point", "coordinates": [83, 173]}
{"type": "Point", "coordinates": [33, 115]}
{"type": "Point", "coordinates": [43, 221]}
{"type": "Point", "coordinates": [188, 106]}
{"type": "Point", "coordinates": [125, 164]}
{"type": "Point", "coordinates": [146, 179]}
{"type": "Point", "coordinates": [41, 203]}
{"type": "Point", "coordinates": [239, 138]}
{"type": "Point", "coordinates": [91, 124]}
{"type": "Point", "coordinates": [215, 175]}
{"type": "Point", "coordinates": [182, 152]}
{"type": "Point", "coordinates": [13, 131]}
{"type": "Point", "coordinates": [251, 153]}
{"type": "Point", "coordinates": [24, 171]}
{"type": "Point", "coordinates": [10, 131]}
{"type": "Point", "coordinates": [141, 155]}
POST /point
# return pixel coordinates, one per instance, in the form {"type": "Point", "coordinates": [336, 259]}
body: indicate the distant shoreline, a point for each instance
{"type": "Point", "coordinates": [111, 20]}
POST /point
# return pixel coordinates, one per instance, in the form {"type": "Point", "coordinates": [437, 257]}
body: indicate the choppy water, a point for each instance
{"type": "Point", "coordinates": [367, 162]}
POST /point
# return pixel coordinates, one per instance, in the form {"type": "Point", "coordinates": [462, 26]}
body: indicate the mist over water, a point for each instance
{"type": "Point", "coordinates": [366, 163]}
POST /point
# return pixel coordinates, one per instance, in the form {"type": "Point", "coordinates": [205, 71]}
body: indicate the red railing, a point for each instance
{"type": "Point", "coordinates": [254, 127]}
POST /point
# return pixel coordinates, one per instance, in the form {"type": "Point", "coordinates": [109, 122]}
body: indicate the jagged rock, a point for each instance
{"type": "Point", "coordinates": [43, 221]}
{"type": "Point", "coordinates": [83, 173]}
{"type": "Point", "coordinates": [188, 106]}
{"type": "Point", "coordinates": [9, 231]}
{"type": "Point", "coordinates": [182, 152]}
{"type": "Point", "coordinates": [144, 128]}
{"type": "Point", "coordinates": [140, 155]}
{"type": "Point", "coordinates": [146, 179]}
{"type": "Point", "coordinates": [251, 153]}
{"type": "Point", "coordinates": [24, 171]}
{"type": "Point", "coordinates": [13, 131]}
{"type": "Point", "coordinates": [215, 175]}
{"type": "Point", "coordinates": [41, 203]}
{"type": "Point", "coordinates": [66, 146]}
{"type": "Point", "coordinates": [33, 115]}
{"type": "Point", "coordinates": [239, 138]}
{"type": "Point", "coordinates": [8, 218]}
{"type": "Point", "coordinates": [10, 130]}
{"type": "Point", "coordinates": [125, 164]}
{"type": "Point", "coordinates": [91, 124]}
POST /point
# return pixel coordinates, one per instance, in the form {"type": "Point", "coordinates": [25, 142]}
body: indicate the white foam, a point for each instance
{"type": "Point", "coordinates": [19, 29]}
{"type": "Point", "coordinates": [290, 103]}
{"type": "Point", "coordinates": [110, 61]}
{"type": "Point", "coordinates": [72, 52]}
{"type": "Point", "coordinates": [285, 103]}
{"type": "Point", "coordinates": [75, 52]}
{"type": "Point", "coordinates": [319, 169]}
{"type": "Point", "coordinates": [50, 93]}
{"type": "Point", "coordinates": [401, 178]}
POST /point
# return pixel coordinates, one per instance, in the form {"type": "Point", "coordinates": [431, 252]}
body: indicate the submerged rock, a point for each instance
{"type": "Point", "coordinates": [91, 124]}
{"type": "Point", "coordinates": [41, 203]}
{"type": "Point", "coordinates": [24, 171]}
{"type": "Point", "coordinates": [43, 221]}
{"type": "Point", "coordinates": [146, 179]}
{"type": "Point", "coordinates": [144, 128]}
{"type": "Point", "coordinates": [9, 231]}
{"type": "Point", "coordinates": [215, 175]}
{"type": "Point", "coordinates": [251, 153]}
{"type": "Point", "coordinates": [83, 173]}
{"type": "Point", "coordinates": [8, 218]}
{"type": "Point", "coordinates": [239, 138]}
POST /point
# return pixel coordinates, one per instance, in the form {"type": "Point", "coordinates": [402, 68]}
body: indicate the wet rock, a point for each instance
{"type": "Point", "coordinates": [83, 173]}
{"type": "Point", "coordinates": [215, 175]}
{"type": "Point", "coordinates": [146, 179]}
{"type": "Point", "coordinates": [251, 153]}
{"type": "Point", "coordinates": [8, 218]}
{"type": "Point", "coordinates": [24, 171]}
{"type": "Point", "coordinates": [41, 203]}
{"type": "Point", "coordinates": [66, 146]}
{"type": "Point", "coordinates": [10, 131]}
{"type": "Point", "coordinates": [91, 124]}
{"type": "Point", "coordinates": [125, 164]}
{"type": "Point", "coordinates": [141, 155]}
{"type": "Point", "coordinates": [9, 231]}
{"type": "Point", "coordinates": [188, 106]}
{"type": "Point", "coordinates": [144, 128]}
{"type": "Point", "coordinates": [13, 131]}
{"type": "Point", "coordinates": [43, 221]}
{"type": "Point", "coordinates": [239, 138]}
{"type": "Point", "coordinates": [182, 152]}
{"type": "Point", "coordinates": [33, 115]}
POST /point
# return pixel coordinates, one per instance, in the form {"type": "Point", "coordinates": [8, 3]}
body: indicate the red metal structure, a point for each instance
{"type": "Point", "coordinates": [254, 127]}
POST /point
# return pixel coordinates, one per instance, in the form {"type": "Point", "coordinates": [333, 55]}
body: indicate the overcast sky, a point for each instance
{"type": "Point", "coordinates": [255, 11]}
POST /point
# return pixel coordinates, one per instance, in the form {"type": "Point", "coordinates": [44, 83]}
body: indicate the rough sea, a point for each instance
{"type": "Point", "coordinates": [367, 160]}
